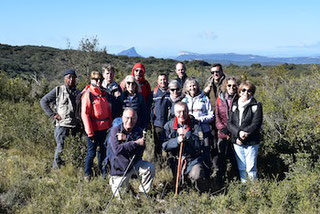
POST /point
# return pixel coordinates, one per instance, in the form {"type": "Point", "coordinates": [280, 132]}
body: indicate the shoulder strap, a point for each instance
{"type": "Point", "coordinates": [57, 95]}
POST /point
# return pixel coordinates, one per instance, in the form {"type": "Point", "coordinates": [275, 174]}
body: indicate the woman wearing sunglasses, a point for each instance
{"type": "Point", "coordinates": [132, 97]}
{"type": "Point", "coordinates": [244, 123]}
{"type": "Point", "coordinates": [224, 101]}
{"type": "Point", "coordinates": [96, 114]}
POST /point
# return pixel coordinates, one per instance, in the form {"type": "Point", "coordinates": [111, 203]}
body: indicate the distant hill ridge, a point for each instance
{"type": "Point", "coordinates": [245, 59]}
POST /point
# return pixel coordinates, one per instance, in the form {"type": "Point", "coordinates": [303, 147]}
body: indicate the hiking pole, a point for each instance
{"type": "Point", "coordinates": [121, 181]}
{"type": "Point", "coordinates": [179, 169]}
{"type": "Point", "coordinates": [144, 135]}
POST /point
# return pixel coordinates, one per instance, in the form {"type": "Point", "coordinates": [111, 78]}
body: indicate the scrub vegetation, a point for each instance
{"type": "Point", "coordinates": [288, 162]}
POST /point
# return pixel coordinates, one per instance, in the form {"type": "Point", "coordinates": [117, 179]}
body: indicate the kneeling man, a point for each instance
{"type": "Point", "coordinates": [127, 145]}
{"type": "Point", "coordinates": [184, 128]}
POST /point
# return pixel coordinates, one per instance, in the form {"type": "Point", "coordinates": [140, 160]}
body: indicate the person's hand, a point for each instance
{"type": "Point", "coordinates": [117, 94]}
{"type": "Point", "coordinates": [243, 135]}
{"type": "Point", "coordinates": [140, 141]}
{"type": "Point", "coordinates": [180, 138]}
{"type": "Point", "coordinates": [206, 90]}
{"type": "Point", "coordinates": [239, 142]}
{"type": "Point", "coordinates": [121, 136]}
{"type": "Point", "coordinates": [182, 130]}
{"type": "Point", "coordinates": [92, 139]}
{"type": "Point", "coordinates": [57, 117]}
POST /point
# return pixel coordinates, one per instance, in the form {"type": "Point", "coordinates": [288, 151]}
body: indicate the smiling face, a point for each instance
{"type": "Point", "coordinates": [129, 119]}
{"type": "Point", "coordinates": [192, 88]}
{"type": "Point", "coordinates": [180, 70]}
{"type": "Point", "coordinates": [162, 81]}
{"type": "Point", "coordinates": [246, 93]}
{"type": "Point", "coordinates": [181, 112]}
{"type": "Point", "coordinates": [231, 87]}
{"type": "Point", "coordinates": [216, 73]}
{"type": "Point", "coordinates": [131, 85]}
{"type": "Point", "coordinates": [175, 92]}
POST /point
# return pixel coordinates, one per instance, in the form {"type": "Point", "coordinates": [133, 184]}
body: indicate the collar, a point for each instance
{"type": "Point", "coordinates": [176, 125]}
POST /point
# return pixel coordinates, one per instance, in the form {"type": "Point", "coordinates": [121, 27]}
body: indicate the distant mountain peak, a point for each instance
{"type": "Point", "coordinates": [131, 52]}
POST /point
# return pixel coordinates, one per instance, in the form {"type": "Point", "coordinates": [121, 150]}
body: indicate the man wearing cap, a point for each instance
{"type": "Point", "coordinates": [64, 98]}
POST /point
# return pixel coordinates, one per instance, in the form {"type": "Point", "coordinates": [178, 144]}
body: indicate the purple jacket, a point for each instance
{"type": "Point", "coordinates": [123, 151]}
{"type": "Point", "coordinates": [222, 111]}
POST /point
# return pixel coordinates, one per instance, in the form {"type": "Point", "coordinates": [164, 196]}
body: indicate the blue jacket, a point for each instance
{"type": "Point", "coordinates": [160, 107]}
{"type": "Point", "coordinates": [122, 151]}
{"type": "Point", "coordinates": [194, 149]}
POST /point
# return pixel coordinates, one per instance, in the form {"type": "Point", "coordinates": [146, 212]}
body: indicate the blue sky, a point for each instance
{"type": "Point", "coordinates": [163, 28]}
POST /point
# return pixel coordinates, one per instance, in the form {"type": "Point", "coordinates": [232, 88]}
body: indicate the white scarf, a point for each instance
{"type": "Point", "coordinates": [241, 105]}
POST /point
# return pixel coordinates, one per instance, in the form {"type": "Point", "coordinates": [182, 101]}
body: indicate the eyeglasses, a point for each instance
{"type": "Point", "coordinates": [138, 70]}
{"type": "Point", "coordinates": [233, 86]}
{"type": "Point", "coordinates": [249, 91]}
{"type": "Point", "coordinates": [174, 89]}
{"type": "Point", "coordinates": [130, 83]}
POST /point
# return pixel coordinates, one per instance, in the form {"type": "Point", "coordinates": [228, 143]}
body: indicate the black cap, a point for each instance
{"type": "Point", "coordinates": [70, 71]}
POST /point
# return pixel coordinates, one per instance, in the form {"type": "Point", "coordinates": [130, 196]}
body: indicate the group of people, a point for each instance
{"type": "Point", "coordinates": [199, 130]}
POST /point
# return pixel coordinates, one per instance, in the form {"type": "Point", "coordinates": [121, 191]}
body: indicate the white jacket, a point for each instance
{"type": "Point", "coordinates": [200, 107]}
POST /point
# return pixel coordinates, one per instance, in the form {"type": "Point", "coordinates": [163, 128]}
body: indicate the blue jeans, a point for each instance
{"type": "Point", "coordinates": [99, 138]}
{"type": "Point", "coordinates": [60, 134]}
{"type": "Point", "coordinates": [246, 156]}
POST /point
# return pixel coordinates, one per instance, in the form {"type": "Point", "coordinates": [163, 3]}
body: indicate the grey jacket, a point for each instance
{"type": "Point", "coordinates": [64, 100]}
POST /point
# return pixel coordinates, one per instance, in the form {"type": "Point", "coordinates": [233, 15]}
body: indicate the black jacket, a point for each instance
{"type": "Point", "coordinates": [138, 104]}
{"type": "Point", "coordinates": [251, 122]}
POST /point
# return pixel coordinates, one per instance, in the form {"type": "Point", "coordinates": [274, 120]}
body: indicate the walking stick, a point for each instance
{"type": "Point", "coordinates": [179, 169]}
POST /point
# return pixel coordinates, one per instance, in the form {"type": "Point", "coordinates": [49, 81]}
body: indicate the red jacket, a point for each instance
{"type": "Point", "coordinates": [221, 113]}
{"type": "Point", "coordinates": [95, 113]}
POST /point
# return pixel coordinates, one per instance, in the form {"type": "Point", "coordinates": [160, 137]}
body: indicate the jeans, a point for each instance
{"type": "Point", "coordinates": [142, 168]}
{"type": "Point", "coordinates": [60, 134]}
{"type": "Point", "coordinates": [99, 138]}
{"type": "Point", "coordinates": [246, 156]}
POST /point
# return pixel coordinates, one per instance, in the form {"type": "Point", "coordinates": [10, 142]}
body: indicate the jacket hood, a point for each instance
{"type": "Point", "coordinates": [139, 65]}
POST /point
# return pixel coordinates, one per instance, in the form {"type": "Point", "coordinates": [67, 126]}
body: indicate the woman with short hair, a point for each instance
{"type": "Point", "coordinates": [200, 108]}
{"type": "Point", "coordinates": [244, 123]}
{"type": "Point", "coordinates": [132, 97]}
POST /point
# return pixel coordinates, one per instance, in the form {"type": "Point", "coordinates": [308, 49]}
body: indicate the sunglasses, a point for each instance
{"type": "Point", "coordinates": [233, 86]}
{"type": "Point", "coordinates": [174, 89]}
{"type": "Point", "coordinates": [249, 91]}
{"type": "Point", "coordinates": [212, 72]}
{"type": "Point", "coordinates": [96, 79]}
{"type": "Point", "coordinates": [130, 83]}
{"type": "Point", "coordinates": [138, 70]}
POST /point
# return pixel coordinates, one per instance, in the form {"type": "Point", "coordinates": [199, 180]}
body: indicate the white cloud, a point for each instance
{"type": "Point", "coordinates": [208, 35]}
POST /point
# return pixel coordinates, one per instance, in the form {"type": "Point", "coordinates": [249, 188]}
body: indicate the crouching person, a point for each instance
{"type": "Point", "coordinates": [127, 146]}
{"type": "Point", "coordinates": [184, 128]}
